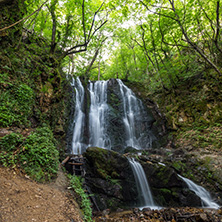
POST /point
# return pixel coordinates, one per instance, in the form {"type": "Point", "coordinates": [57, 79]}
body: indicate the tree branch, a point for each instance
{"type": "Point", "coordinates": [73, 50]}
{"type": "Point", "coordinates": [157, 13]}
{"type": "Point", "coordinates": [93, 21]}
{"type": "Point", "coordinates": [89, 38]}
{"type": "Point", "coordinates": [218, 26]}
{"type": "Point", "coordinates": [21, 20]}
{"type": "Point", "coordinates": [95, 56]}
{"type": "Point", "coordinates": [83, 19]}
{"type": "Point", "coordinates": [193, 44]}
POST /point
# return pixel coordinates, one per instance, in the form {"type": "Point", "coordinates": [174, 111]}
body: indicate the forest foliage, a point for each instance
{"type": "Point", "coordinates": [168, 46]}
{"type": "Point", "coordinates": [157, 42]}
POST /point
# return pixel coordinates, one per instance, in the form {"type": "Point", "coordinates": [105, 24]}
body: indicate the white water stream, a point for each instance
{"type": "Point", "coordinates": [144, 192]}
{"type": "Point", "coordinates": [202, 193]}
{"type": "Point", "coordinates": [135, 134]}
{"type": "Point", "coordinates": [97, 115]}
{"type": "Point", "coordinates": [133, 109]}
{"type": "Point", "coordinates": [79, 118]}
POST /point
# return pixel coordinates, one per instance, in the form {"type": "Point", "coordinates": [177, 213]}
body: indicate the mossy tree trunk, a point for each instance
{"type": "Point", "coordinates": [11, 12]}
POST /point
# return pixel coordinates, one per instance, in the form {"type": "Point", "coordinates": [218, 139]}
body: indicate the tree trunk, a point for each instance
{"type": "Point", "coordinates": [99, 70]}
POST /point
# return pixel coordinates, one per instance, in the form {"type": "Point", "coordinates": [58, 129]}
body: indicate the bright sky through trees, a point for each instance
{"type": "Point", "coordinates": [154, 41]}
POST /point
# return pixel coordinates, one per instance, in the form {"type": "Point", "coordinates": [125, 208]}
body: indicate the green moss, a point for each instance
{"type": "Point", "coordinates": [16, 104]}
{"type": "Point", "coordinates": [179, 166]}
{"type": "Point", "coordinates": [163, 174]}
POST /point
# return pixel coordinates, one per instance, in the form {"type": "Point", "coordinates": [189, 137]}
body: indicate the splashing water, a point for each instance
{"type": "Point", "coordinates": [145, 195]}
{"type": "Point", "coordinates": [134, 119]}
{"type": "Point", "coordinates": [202, 193]}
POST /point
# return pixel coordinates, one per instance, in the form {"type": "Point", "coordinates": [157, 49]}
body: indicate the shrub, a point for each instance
{"type": "Point", "coordinates": [8, 147]}
{"type": "Point", "coordinates": [40, 157]}
{"type": "Point", "coordinates": [37, 155]}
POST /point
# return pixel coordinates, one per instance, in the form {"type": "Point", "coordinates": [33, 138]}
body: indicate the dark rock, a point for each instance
{"type": "Point", "coordinates": [130, 149]}
{"type": "Point", "coordinates": [167, 188]}
{"type": "Point", "coordinates": [109, 176]}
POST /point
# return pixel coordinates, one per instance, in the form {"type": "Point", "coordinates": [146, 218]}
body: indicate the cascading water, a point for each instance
{"type": "Point", "coordinates": [134, 119]}
{"type": "Point", "coordinates": [129, 119]}
{"type": "Point", "coordinates": [145, 196]}
{"type": "Point", "coordinates": [202, 193]}
{"type": "Point", "coordinates": [97, 115]}
{"type": "Point", "coordinates": [79, 118]}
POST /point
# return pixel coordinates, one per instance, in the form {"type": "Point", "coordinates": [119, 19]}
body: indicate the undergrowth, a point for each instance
{"type": "Point", "coordinates": [36, 155]}
{"type": "Point", "coordinates": [85, 204]}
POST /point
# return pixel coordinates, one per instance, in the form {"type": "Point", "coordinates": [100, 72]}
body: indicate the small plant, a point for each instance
{"type": "Point", "coordinates": [37, 155]}
{"type": "Point", "coordinates": [76, 183]}
{"type": "Point", "coordinates": [9, 146]}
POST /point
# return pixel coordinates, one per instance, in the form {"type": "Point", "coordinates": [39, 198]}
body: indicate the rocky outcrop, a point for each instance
{"type": "Point", "coordinates": [109, 176]}
{"type": "Point", "coordinates": [167, 187]}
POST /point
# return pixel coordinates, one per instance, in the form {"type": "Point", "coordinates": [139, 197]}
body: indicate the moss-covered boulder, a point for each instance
{"type": "Point", "coordinates": [109, 176]}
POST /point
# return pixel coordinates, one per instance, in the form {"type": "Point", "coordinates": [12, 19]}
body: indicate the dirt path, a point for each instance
{"type": "Point", "coordinates": [23, 200]}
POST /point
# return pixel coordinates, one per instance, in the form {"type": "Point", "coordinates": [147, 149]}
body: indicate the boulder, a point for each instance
{"type": "Point", "coordinates": [109, 176]}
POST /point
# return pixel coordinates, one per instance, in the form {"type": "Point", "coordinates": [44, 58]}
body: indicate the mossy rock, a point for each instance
{"type": "Point", "coordinates": [105, 163]}
{"type": "Point", "coordinates": [109, 176]}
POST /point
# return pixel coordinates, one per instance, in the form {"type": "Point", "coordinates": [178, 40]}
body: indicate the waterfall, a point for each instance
{"type": "Point", "coordinates": [98, 115]}
{"type": "Point", "coordinates": [132, 115]}
{"type": "Point", "coordinates": [134, 119]}
{"type": "Point", "coordinates": [79, 118]}
{"type": "Point", "coordinates": [202, 193]}
{"type": "Point", "coordinates": [145, 196]}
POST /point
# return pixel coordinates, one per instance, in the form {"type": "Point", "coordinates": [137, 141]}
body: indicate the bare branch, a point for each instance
{"type": "Point", "coordinates": [89, 38]}
{"type": "Point", "coordinates": [218, 26]}
{"type": "Point", "coordinates": [76, 51]}
{"type": "Point", "coordinates": [83, 19]}
{"type": "Point", "coordinates": [157, 13]}
{"type": "Point", "coordinates": [95, 56]}
{"type": "Point", "coordinates": [93, 21]}
{"type": "Point", "coordinates": [74, 47]}
{"type": "Point", "coordinates": [205, 13]}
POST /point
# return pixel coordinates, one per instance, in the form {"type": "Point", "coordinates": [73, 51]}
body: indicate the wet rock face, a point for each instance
{"type": "Point", "coordinates": [115, 123]}
{"type": "Point", "coordinates": [167, 188]}
{"type": "Point", "coordinates": [109, 176]}
{"type": "Point", "coordinates": [146, 134]}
